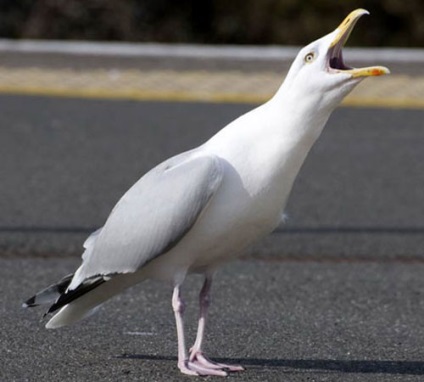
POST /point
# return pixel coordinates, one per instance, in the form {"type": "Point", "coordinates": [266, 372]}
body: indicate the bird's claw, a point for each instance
{"type": "Point", "coordinates": [198, 364]}
{"type": "Point", "coordinates": [195, 368]}
{"type": "Point", "coordinates": [202, 360]}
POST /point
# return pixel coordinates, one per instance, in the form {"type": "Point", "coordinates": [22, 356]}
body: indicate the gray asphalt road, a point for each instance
{"type": "Point", "coordinates": [335, 296]}
{"type": "Point", "coordinates": [287, 321]}
{"type": "Point", "coordinates": [66, 162]}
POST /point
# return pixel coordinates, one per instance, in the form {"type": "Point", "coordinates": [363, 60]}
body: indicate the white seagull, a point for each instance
{"type": "Point", "coordinates": [202, 208]}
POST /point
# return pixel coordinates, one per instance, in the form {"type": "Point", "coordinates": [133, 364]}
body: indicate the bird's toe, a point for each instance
{"type": "Point", "coordinates": [204, 361]}
{"type": "Point", "coordinates": [185, 369]}
{"type": "Point", "coordinates": [196, 368]}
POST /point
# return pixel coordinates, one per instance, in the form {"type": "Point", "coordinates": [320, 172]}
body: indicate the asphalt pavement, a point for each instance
{"type": "Point", "coordinates": [288, 321]}
{"type": "Point", "coordinates": [334, 295]}
{"type": "Point", "coordinates": [66, 162]}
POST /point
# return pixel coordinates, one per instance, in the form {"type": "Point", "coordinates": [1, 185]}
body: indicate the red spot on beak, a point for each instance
{"type": "Point", "coordinates": [377, 72]}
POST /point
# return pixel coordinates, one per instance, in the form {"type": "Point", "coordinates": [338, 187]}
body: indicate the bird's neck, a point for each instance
{"type": "Point", "coordinates": [269, 144]}
{"type": "Point", "coordinates": [296, 128]}
{"type": "Point", "coordinates": [299, 117]}
{"type": "Point", "coordinates": [304, 111]}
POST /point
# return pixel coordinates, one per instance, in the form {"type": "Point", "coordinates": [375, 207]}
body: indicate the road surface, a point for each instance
{"type": "Point", "coordinates": [336, 294]}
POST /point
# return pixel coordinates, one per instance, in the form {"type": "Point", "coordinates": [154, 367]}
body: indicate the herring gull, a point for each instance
{"type": "Point", "coordinates": [202, 208]}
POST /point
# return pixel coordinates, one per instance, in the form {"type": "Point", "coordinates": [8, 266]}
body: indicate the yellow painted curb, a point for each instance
{"type": "Point", "coordinates": [394, 91]}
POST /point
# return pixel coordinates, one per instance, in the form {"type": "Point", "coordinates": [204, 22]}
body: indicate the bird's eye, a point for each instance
{"type": "Point", "coordinates": [309, 58]}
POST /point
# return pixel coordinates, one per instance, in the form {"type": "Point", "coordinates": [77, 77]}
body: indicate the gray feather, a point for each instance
{"type": "Point", "coordinates": [153, 215]}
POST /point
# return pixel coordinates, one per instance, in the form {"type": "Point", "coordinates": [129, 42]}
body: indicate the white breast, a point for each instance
{"type": "Point", "coordinates": [262, 153]}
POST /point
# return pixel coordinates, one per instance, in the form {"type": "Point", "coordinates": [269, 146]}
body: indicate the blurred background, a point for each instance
{"type": "Point", "coordinates": [94, 93]}
{"type": "Point", "coordinates": [78, 66]}
{"type": "Point", "coordinates": [287, 22]}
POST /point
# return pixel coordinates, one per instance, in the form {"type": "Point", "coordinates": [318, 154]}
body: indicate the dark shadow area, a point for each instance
{"type": "Point", "coordinates": [48, 230]}
{"type": "Point", "coordinates": [281, 230]}
{"type": "Point", "coordinates": [351, 230]}
{"type": "Point", "coordinates": [354, 366]}
{"type": "Point", "coordinates": [209, 21]}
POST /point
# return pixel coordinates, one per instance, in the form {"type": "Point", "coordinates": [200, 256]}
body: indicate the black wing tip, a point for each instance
{"type": "Point", "coordinates": [64, 296]}
{"type": "Point", "coordinates": [70, 295]}
{"type": "Point", "coordinates": [49, 294]}
{"type": "Point", "coordinates": [30, 303]}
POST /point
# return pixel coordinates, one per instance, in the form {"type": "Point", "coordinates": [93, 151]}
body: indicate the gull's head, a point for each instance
{"type": "Point", "coordinates": [319, 69]}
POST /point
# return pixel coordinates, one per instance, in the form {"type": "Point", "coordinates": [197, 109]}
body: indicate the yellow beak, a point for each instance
{"type": "Point", "coordinates": [344, 31]}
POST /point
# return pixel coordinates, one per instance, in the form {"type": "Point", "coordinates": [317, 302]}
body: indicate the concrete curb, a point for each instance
{"type": "Point", "coordinates": [29, 71]}
{"type": "Point", "coordinates": [232, 52]}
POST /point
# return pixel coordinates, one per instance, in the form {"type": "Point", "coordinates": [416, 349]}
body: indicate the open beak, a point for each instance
{"type": "Point", "coordinates": [335, 57]}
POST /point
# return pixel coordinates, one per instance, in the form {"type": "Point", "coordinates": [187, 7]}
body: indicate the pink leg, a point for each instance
{"type": "Point", "coordinates": [184, 364]}
{"type": "Point", "coordinates": [196, 354]}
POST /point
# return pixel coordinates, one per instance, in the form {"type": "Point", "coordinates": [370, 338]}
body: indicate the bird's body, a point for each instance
{"type": "Point", "coordinates": [202, 208]}
{"type": "Point", "coordinates": [255, 182]}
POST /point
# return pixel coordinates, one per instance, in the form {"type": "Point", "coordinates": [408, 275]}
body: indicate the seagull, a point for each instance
{"type": "Point", "coordinates": [204, 207]}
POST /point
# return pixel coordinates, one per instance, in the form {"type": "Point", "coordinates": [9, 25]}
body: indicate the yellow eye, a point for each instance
{"type": "Point", "coordinates": [309, 58]}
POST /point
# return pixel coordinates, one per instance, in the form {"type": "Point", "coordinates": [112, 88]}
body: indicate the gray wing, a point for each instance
{"type": "Point", "coordinates": [153, 215]}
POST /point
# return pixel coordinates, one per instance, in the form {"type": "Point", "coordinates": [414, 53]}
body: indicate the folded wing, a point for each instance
{"type": "Point", "coordinates": [152, 217]}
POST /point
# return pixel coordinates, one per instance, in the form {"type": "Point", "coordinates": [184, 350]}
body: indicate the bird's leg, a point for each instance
{"type": "Point", "coordinates": [196, 353]}
{"type": "Point", "coordinates": [184, 364]}
{"type": "Point", "coordinates": [178, 306]}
